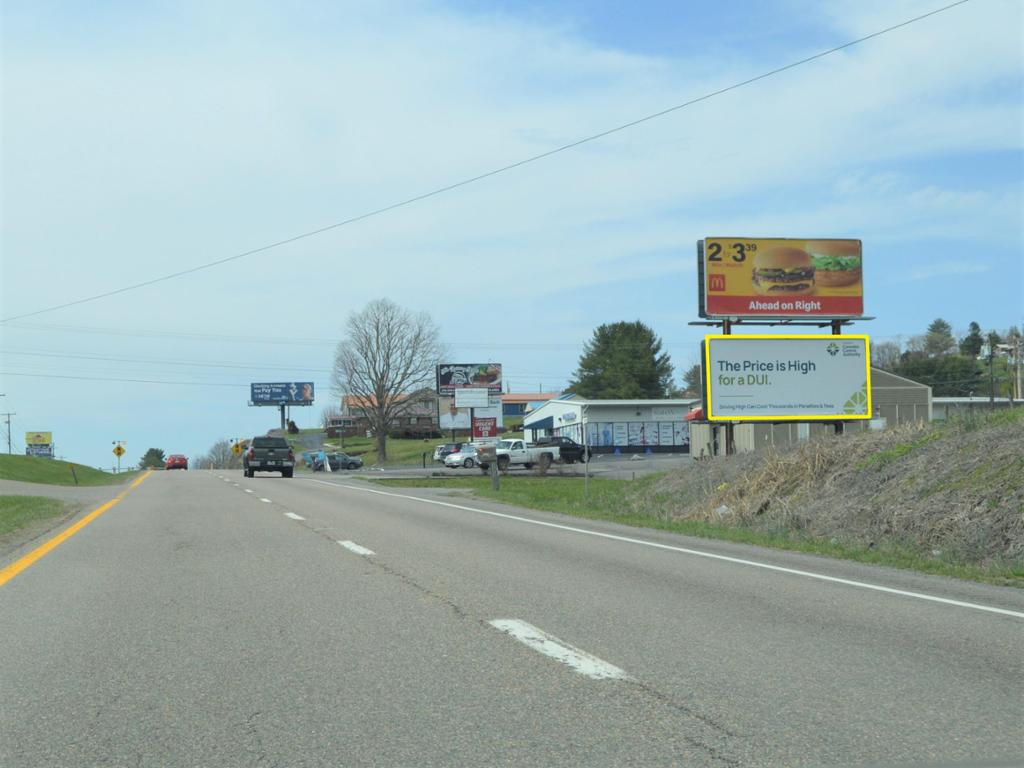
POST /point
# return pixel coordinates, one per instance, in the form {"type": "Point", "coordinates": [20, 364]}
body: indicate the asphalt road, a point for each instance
{"type": "Point", "coordinates": [198, 624]}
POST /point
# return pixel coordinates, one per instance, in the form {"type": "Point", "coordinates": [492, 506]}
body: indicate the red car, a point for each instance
{"type": "Point", "coordinates": [177, 461]}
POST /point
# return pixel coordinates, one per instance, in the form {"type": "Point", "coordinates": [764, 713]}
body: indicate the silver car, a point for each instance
{"type": "Point", "coordinates": [464, 457]}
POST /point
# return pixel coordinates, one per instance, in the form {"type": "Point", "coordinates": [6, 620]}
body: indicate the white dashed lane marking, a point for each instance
{"type": "Point", "coordinates": [549, 645]}
{"type": "Point", "coordinates": [352, 546]}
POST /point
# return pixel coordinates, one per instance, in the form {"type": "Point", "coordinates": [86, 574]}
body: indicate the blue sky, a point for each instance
{"type": "Point", "coordinates": [142, 139]}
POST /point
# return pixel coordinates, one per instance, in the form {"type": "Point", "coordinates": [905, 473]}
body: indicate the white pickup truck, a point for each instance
{"type": "Point", "coordinates": [517, 452]}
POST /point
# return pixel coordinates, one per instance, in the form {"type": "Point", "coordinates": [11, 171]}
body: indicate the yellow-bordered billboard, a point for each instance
{"type": "Point", "coordinates": [780, 277]}
{"type": "Point", "coordinates": [39, 438]}
{"type": "Point", "coordinates": [792, 377]}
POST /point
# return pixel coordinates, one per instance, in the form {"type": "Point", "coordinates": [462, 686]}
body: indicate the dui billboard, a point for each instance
{"type": "Point", "coordinates": [780, 277]}
{"type": "Point", "coordinates": [282, 393]}
{"type": "Point", "coordinates": [452, 376]}
{"type": "Point", "coordinates": [787, 378]}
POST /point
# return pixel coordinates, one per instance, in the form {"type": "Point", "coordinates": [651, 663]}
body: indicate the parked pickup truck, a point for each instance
{"type": "Point", "coordinates": [569, 450]}
{"type": "Point", "coordinates": [268, 454]}
{"type": "Point", "coordinates": [516, 452]}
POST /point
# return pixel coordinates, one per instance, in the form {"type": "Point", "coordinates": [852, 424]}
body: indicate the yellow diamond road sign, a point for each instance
{"type": "Point", "coordinates": [236, 448]}
{"type": "Point", "coordinates": [118, 450]}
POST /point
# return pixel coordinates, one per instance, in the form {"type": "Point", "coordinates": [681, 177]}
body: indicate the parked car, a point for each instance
{"type": "Point", "coordinates": [339, 461]}
{"type": "Point", "coordinates": [568, 449]}
{"type": "Point", "coordinates": [466, 457]}
{"type": "Point", "coordinates": [176, 461]}
{"type": "Point", "coordinates": [268, 454]}
{"type": "Point", "coordinates": [446, 448]}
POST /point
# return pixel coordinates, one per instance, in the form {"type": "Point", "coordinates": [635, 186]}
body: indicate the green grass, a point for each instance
{"type": "Point", "coordinates": [613, 500]}
{"type": "Point", "coordinates": [30, 469]}
{"type": "Point", "coordinates": [18, 511]}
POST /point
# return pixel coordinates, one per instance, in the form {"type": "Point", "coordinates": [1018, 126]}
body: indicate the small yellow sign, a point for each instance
{"type": "Point", "coordinates": [236, 448]}
{"type": "Point", "coordinates": [118, 451]}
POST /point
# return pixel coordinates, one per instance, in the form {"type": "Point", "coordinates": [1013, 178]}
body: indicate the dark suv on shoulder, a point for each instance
{"type": "Point", "coordinates": [568, 449]}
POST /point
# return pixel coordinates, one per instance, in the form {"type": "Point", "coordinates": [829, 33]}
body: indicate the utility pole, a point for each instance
{"type": "Point", "coordinates": [1017, 349]}
{"type": "Point", "coordinates": [8, 415]}
{"type": "Point", "coordinates": [991, 377]}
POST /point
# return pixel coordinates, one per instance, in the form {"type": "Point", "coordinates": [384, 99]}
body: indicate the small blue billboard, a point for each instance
{"type": "Point", "coordinates": [282, 393]}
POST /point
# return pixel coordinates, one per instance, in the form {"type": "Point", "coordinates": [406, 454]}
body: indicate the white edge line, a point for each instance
{"type": "Point", "coordinates": [351, 545]}
{"type": "Point", "coordinates": [268, 501]}
{"type": "Point", "coordinates": [585, 663]}
{"type": "Point", "coordinates": [696, 552]}
{"type": "Point", "coordinates": [248, 490]}
{"type": "Point", "coordinates": [292, 515]}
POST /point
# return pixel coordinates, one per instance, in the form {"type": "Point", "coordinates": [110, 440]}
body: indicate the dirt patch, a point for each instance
{"type": "Point", "coordinates": [952, 490]}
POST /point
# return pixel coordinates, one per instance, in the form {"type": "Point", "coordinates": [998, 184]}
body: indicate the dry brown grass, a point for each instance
{"type": "Point", "coordinates": [953, 490]}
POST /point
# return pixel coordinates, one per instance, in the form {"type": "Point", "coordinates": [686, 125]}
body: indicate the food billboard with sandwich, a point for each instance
{"type": "Point", "coordinates": [780, 277]}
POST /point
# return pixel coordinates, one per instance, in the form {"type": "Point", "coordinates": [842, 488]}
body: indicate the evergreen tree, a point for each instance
{"type": "Point", "coordinates": [971, 344]}
{"type": "Point", "coordinates": [623, 360]}
{"type": "Point", "coordinates": [154, 457]}
{"type": "Point", "coordinates": [939, 339]}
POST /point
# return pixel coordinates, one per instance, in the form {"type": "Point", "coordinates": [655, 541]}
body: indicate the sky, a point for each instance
{"type": "Point", "coordinates": [142, 139]}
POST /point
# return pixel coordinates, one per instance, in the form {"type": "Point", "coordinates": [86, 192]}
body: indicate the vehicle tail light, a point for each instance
{"type": "Point", "coordinates": [252, 453]}
{"type": "Point", "coordinates": [291, 455]}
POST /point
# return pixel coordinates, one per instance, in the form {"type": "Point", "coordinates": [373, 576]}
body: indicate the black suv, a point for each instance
{"type": "Point", "coordinates": [568, 449]}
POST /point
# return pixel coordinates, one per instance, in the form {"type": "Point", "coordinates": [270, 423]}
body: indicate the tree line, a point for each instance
{"type": "Point", "coordinates": [386, 360]}
{"type": "Point", "coordinates": [977, 363]}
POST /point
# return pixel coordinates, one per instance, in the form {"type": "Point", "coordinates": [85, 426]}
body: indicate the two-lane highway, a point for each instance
{"type": "Point", "coordinates": [210, 619]}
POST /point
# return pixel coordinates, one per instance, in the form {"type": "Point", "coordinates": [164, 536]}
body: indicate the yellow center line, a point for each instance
{"type": "Point", "coordinates": [19, 565]}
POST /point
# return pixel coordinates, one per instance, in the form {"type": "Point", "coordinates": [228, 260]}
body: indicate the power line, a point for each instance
{"type": "Point", "coordinates": [122, 381]}
{"type": "Point", "coordinates": [489, 174]}
{"type": "Point", "coordinates": [237, 366]}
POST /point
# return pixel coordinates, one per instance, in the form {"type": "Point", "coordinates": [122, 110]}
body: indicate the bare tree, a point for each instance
{"type": "Point", "coordinates": [386, 363]}
{"type": "Point", "coordinates": [885, 355]}
{"type": "Point", "coordinates": [220, 456]}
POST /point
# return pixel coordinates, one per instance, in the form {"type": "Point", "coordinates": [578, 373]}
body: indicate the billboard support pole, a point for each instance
{"type": "Point", "coordinates": [730, 432]}
{"type": "Point", "coordinates": [837, 330]}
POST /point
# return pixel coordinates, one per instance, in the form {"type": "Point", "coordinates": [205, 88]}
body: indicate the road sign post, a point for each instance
{"type": "Point", "coordinates": [119, 452]}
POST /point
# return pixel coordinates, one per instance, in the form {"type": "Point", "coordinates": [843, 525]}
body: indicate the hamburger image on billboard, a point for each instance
{"type": "Point", "coordinates": [783, 269]}
{"type": "Point", "coordinates": [781, 277]}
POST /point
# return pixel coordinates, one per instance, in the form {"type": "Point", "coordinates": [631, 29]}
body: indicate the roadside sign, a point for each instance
{"type": "Point", "coordinates": [236, 448]}
{"type": "Point", "coordinates": [118, 451]}
{"type": "Point", "coordinates": [485, 428]}
{"type": "Point", "coordinates": [39, 438]}
{"type": "Point", "coordinates": [281, 393]}
{"type": "Point", "coordinates": [473, 397]}
{"type": "Point", "coordinates": [787, 378]}
{"type": "Point", "coordinates": [780, 277]}
{"type": "Point", "coordinates": [453, 376]}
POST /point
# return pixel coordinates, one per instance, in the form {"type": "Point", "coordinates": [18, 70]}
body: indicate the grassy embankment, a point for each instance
{"type": "Point", "coordinates": [19, 511]}
{"type": "Point", "coordinates": [30, 469]}
{"type": "Point", "coordinates": [944, 498]}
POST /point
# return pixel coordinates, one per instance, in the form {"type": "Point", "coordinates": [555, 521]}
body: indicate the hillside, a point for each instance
{"type": "Point", "coordinates": [949, 491]}
{"type": "Point", "coordinates": [30, 469]}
